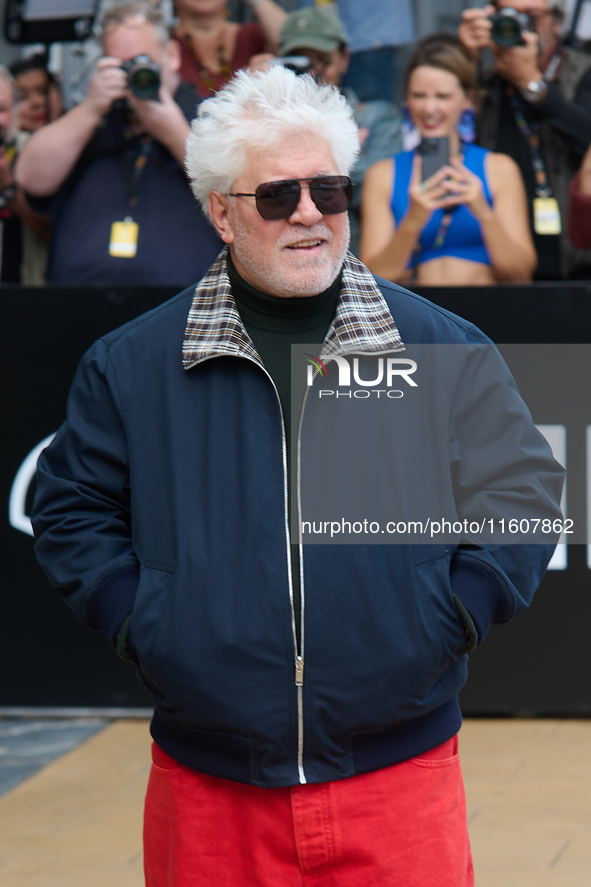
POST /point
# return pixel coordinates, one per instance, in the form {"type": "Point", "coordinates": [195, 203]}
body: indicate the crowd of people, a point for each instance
{"type": "Point", "coordinates": [98, 193]}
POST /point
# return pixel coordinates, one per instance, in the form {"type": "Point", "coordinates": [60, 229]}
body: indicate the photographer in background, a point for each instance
{"type": "Point", "coordinates": [121, 207]}
{"type": "Point", "coordinates": [536, 107]}
{"type": "Point", "coordinates": [20, 227]}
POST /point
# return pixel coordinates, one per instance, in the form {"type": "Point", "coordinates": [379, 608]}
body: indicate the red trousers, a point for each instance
{"type": "Point", "coordinates": [404, 825]}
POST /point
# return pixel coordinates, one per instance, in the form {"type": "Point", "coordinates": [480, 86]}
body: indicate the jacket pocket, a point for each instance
{"type": "Point", "coordinates": [149, 618]}
{"type": "Point", "coordinates": [432, 573]}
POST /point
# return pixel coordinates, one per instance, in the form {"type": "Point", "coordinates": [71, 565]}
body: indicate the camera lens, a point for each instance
{"type": "Point", "coordinates": [144, 82]}
{"type": "Point", "coordinates": [143, 77]}
{"type": "Point", "coordinates": [507, 28]}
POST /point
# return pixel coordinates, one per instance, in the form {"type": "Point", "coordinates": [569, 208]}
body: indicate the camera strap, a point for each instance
{"type": "Point", "coordinates": [546, 211]}
{"type": "Point", "coordinates": [554, 65]}
{"type": "Point", "coordinates": [138, 157]}
{"type": "Point", "coordinates": [124, 235]}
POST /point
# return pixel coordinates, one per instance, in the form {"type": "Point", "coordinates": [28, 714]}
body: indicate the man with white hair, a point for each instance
{"type": "Point", "coordinates": [163, 507]}
{"type": "Point", "coordinates": [110, 170]}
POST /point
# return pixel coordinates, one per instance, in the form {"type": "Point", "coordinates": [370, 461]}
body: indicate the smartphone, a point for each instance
{"type": "Point", "coordinates": [434, 154]}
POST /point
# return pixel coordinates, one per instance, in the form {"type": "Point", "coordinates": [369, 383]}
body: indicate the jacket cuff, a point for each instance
{"type": "Point", "coordinates": [481, 596]}
{"type": "Point", "coordinates": [112, 600]}
{"type": "Point", "coordinates": [552, 104]}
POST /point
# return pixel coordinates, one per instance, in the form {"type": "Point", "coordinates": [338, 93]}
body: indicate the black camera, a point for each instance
{"type": "Point", "coordinates": [508, 26]}
{"type": "Point", "coordinates": [143, 77]}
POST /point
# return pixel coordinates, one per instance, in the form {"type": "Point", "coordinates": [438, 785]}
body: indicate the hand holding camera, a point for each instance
{"type": "Point", "coordinates": [512, 38]}
{"type": "Point", "coordinates": [495, 28]}
{"type": "Point", "coordinates": [115, 81]}
{"type": "Point", "coordinates": [519, 64]}
{"type": "Point", "coordinates": [143, 77]}
{"type": "Point", "coordinates": [475, 29]}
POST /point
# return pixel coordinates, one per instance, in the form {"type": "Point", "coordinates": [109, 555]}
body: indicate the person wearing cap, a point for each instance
{"type": "Point", "coordinates": [536, 107]}
{"type": "Point", "coordinates": [318, 33]}
{"type": "Point", "coordinates": [377, 30]}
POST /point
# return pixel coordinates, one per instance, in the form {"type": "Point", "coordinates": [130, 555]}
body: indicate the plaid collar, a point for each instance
{"type": "Point", "coordinates": [362, 323]}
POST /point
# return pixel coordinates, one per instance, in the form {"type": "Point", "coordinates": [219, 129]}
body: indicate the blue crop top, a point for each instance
{"type": "Point", "coordinates": [463, 239]}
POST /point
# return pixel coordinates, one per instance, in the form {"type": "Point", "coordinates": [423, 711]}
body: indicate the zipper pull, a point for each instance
{"type": "Point", "coordinates": [299, 671]}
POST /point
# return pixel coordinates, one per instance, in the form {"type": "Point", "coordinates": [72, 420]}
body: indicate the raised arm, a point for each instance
{"type": "Point", "coordinates": [51, 153]}
{"type": "Point", "coordinates": [270, 17]}
{"type": "Point", "coordinates": [572, 120]}
{"type": "Point", "coordinates": [505, 226]}
{"type": "Point", "coordinates": [385, 247]}
{"type": "Point", "coordinates": [474, 30]}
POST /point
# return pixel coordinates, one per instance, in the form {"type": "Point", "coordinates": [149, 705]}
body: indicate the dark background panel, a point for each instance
{"type": "Point", "coordinates": [46, 657]}
{"type": "Point", "coordinates": [540, 664]}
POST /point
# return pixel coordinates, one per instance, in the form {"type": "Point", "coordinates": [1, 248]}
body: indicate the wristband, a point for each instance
{"type": "Point", "coordinates": [535, 91]}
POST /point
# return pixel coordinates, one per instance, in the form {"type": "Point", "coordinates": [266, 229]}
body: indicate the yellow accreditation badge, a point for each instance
{"type": "Point", "coordinates": [546, 216]}
{"type": "Point", "coordinates": [123, 242]}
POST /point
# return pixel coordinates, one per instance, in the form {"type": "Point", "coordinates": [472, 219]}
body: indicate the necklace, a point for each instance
{"type": "Point", "coordinates": [210, 81]}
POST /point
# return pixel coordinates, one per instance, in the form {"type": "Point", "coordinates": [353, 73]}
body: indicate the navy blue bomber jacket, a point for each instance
{"type": "Point", "coordinates": [163, 499]}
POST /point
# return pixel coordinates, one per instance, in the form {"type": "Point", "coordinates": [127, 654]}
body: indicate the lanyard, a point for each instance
{"type": "Point", "coordinates": [554, 66]}
{"type": "Point", "coordinates": [138, 159]}
{"type": "Point", "coordinates": [531, 134]}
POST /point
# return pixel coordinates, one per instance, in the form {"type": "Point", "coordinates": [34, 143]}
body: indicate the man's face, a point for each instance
{"type": "Point", "coordinates": [547, 27]}
{"type": "Point", "coordinates": [6, 106]}
{"type": "Point", "coordinates": [328, 67]}
{"type": "Point", "coordinates": [133, 37]}
{"type": "Point", "coordinates": [298, 256]}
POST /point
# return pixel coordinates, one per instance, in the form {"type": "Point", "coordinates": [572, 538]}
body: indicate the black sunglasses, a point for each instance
{"type": "Point", "coordinates": [279, 200]}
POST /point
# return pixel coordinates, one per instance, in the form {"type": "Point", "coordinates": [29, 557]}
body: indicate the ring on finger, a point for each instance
{"type": "Point", "coordinates": [423, 186]}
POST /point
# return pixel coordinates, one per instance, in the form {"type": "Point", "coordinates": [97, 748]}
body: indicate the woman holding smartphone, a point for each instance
{"type": "Point", "coordinates": [464, 223]}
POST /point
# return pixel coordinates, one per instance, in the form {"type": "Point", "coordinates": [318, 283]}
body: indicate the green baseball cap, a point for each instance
{"type": "Point", "coordinates": [314, 27]}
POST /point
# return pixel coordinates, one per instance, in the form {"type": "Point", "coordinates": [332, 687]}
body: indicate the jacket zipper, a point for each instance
{"type": "Point", "coordinates": [299, 659]}
{"type": "Point", "coordinates": [298, 653]}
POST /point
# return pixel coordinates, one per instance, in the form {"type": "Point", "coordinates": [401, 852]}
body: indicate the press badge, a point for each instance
{"type": "Point", "coordinates": [123, 243]}
{"type": "Point", "coordinates": [546, 215]}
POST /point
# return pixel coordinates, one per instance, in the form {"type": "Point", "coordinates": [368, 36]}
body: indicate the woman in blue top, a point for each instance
{"type": "Point", "coordinates": [467, 223]}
